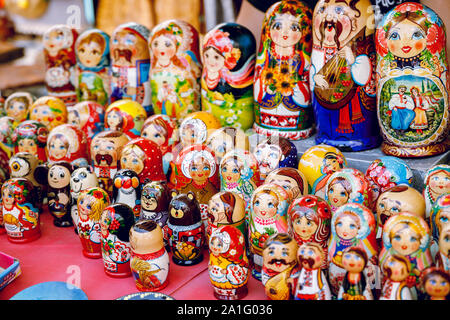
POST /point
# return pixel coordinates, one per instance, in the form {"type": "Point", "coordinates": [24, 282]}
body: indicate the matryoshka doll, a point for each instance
{"type": "Point", "coordinates": [442, 257]}
{"type": "Point", "coordinates": [291, 179]}
{"type": "Point", "coordinates": [130, 65]}
{"type": "Point", "coordinates": [228, 263]}
{"type": "Point", "coordinates": [342, 76]}
{"type": "Point", "coordinates": [155, 203]}
{"type": "Point", "coordinates": [175, 68]}
{"type": "Point", "coordinates": [88, 116]}
{"type": "Point", "coordinates": [17, 105]}
{"type": "Point", "coordinates": [19, 210]}
{"type": "Point", "coordinates": [436, 283]}
{"type": "Point", "coordinates": [412, 86]}
{"type": "Point", "coordinates": [185, 229]}
{"type": "Point", "coordinates": [437, 182]}
{"type": "Point", "coordinates": [439, 220]}
{"type": "Point", "coordinates": [67, 142]}
{"type": "Point", "coordinates": [50, 111]}
{"type": "Point", "coordinates": [149, 262]}
{"type": "Point", "coordinates": [93, 63]}
{"type": "Point", "coordinates": [127, 190]}
{"type": "Point", "coordinates": [226, 139]}
{"type": "Point", "coordinates": [229, 55]}
{"type": "Point", "coordinates": [396, 270]}
{"type": "Point", "coordinates": [126, 116]}
{"type": "Point", "coordinates": [281, 90]}
{"type": "Point", "coordinates": [31, 136]}
{"type": "Point", "coordinates": [59, 51]}
{"type": "Point", "coordinates": [7, 127]}
{"type": "Point", "coordinates": [91, 203]}
{"type": "Point", "coordinates": [267, 216]}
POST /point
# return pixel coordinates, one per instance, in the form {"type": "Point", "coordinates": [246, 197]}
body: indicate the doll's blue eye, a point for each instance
{"type": "Point", "coordinates": [310, 252]}
{"type": "Point", "coordinates": [284, 254]}
{"type": "Point", "coordinates": [397, 238]}
{"type": "Point", "coordinates": [331, 191]}
{"type": "Point", "coordinates": [417, 35]}
{"type": "Point", "coordinates": [339, 10]}
{"type": "Point", "coordinates": [342, 194]}
{"type": "Point", "coordinates": [61, 147]}
{"type": "Point", "coordinates": [270, 205]}
{"type": "Point", "coordinates": [394, 36]}
{"type": "Point", "coordinates": [443, 283]}
{"type": "Point", "coordinates": [352, 226]}
{"type": "Point", "coordinates": [395, 209]}
{"type": "Point", "coordinates": [413, 239]}
{"type": "Point", "coordinates": [433, 282]}
{"type": "Point", "coordinates": [339, 224]}
{"type": "Point", "coordinates": [205, 168]}
{"type": "Point", "coordinates": [443, 219]}
{"type": "Point", "coordinates": [257, 203]}
{"type": "Point", "coordinates": [235, 171]}
{"type": "Point", "coordinates": [224, 169]}
{"type": "Point", "coordinates": [194, 169]}
{"type": "Point", "coordinates": [273, 155]}
{"type": "Point", "coordinates": [135, 161]}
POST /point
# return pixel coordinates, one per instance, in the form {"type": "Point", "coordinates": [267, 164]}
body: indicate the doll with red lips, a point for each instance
{"type": "Point", "coordinates": [127, 190]}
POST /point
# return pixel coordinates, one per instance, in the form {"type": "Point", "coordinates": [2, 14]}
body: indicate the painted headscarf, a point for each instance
{"type": "Point", "coordinates": [105, 59]}
{"type": "Point", "coordinates": [31, 129]}
{"type": "Point", "coordinates": [233, 242]}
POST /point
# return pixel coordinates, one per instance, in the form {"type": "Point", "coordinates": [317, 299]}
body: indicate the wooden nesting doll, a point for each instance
{"type": "Point", "coordinates": [175, 68]}
{"type": "Point", "coordinates": [93, 63]}
{"type": "Point", "coordinates": [342, 76]}
{"type": "Point", "coordinates": [185, 229]}
{"type": "Point", "coordinates": [17, 105]}
{"type": "Point", "coordinates": [229, 55]}
{"type": "Point", "coordinates": [396, 271]}
{"type": "Point", "coordinates": [126, 116]}
{"type": "Point", "coordinates": [412, 91]}
{"type": "Point", "coordinates": [436, 283]}
{"type": "Point", "coordinates": [155, 203]}
{"type": "Point", "coordinates": [60, 60]}
{"type": "Point", "coordinates": [91, 203]}
{"type": "Point", "coordinates": [279, 263]}
{"type": "Point", "coordinates": [130, 65]}
{"type": "Point", "coordinates": [227, 139]}
{"type": "Point", "coordinates": [31, 136]}
{"type": "Point", "coordinates": [439, 220]}
{"type": "Point", "coordinates": [442, 257]}
{"type": "Point", "coordinates": [127, 190]}
{"type": "Point", "coordinates": [7, 127]}
{"type": "Point", "coordinates": [281, 83]}
{"type": "Point", "coordinates": [20, 211]}
{"type": "Point", "coordinates": [67, 142]}
{"type": "Point", "coordinates": [228, 263]}
{"type": "Point", "coordinates": [89, 117]}
{"type": "Point", "coordinates": [115, 224]}
{"type": "Point", "coordinates": [50, 111]}
{"type": "Point", "coordinates": [197, 127]}
{"type": "Point", "coordinates": [149, 262]}
{"type": "Point", "coordinates": [291, 179]}
{"type": "Point", "coordinates": [267, 216]}
{"type": "Point", "coordinates": [437, 183]}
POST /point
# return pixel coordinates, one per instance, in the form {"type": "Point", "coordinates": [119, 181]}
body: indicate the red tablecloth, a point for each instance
{"type": "Point", "coordinates": [57, 256]}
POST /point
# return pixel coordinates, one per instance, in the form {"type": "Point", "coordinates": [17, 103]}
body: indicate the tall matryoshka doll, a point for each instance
{"type": "Point", "coordinates": [281, 92]}
{"type": "Point", "coordinates": [229, 55]}
{"type": "Point", "coordinates": [412, 92]}
{"type": "Point", "coordinates": [175, 68]}
{"type": "Point", "coordinates": [342, 75]}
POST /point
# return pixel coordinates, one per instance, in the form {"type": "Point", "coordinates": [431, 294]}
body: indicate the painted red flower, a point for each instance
{"type": "Point", "coordinates": [435, 39]}
{"type": "Point", "coordinates": [409, 7]}
{"type": "Point", "coordinates": [381, 42]}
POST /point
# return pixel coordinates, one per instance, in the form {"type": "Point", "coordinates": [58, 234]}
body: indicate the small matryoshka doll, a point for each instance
{"type": "Point", "coordinates": [130, 65]}
{"type": "Point", "coordinates": [20, 213]}
{"type": "Point", "coordinates": [17, 105]}
{"type": "Point", "coordinates": [281, 90]}
{"type": "Point", "coordinates": [442, 257]}
{"type": "Point", "coordinates": [185, 229]}
{"type": "Point", "coordinates": [275, 152]}
{"type": "Point", "coordinates": [347, 186]}
{"type": "Point", "coordinates": [436, 283]}
{"type": "Point", "coordinates": [439, 219]}
{"type": "Point", "coordinates": [291, 179]}
{"type": "Point", "coordinates": [352, 225]}
{"type": "Point", "coordinates": [342, 76]}
{"type": "Point", "coordinates": [91, 203]}
{"type": "Point", "coordinates": [145, 158]}
{"type": "Point", "coordinates": [229, 54]}
{"type": "Point", "coordinates": [7, 127]}
{"type": "Point", "coordinates": [93, 63]}
{"type": "Point", "coordinates": [59, 51]}
{"type": "Point", "coordinates": [67, 142]}
{"type": "Point", "coordinates": [88, 116]}
{"type": "Point", "coordinates": [150, 261]}
{"type": "Point", "coordinates": [396, 270]}
{"type": "Point", "coordinates": [126, 116]}
{"type": "Point", "coordinates": [127, 190]}
{"type": "Point", "coordinates": [267, 216]}
{"type": "Point", "coordinates": [227, 139]}
{"type": "Point", "coordinates": [31, 136]}
{"type": "Point", "coordinates": [437, 182]}
{"type": "Point", "coordinates": [175, 68]}
{"type": "Point", "coordinates": [50, 111]}
{"type": "Point", "coordinates": [412, 82]}
{"type": "Point", "coordinates": [228, 263]}
{"type": "Point", "coordinates": [279, 263]}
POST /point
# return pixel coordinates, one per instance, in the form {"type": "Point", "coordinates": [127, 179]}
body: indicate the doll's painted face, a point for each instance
{"type": "Point", "coordinates": [149, 200]}
{"type": "Point", "coordinates": [43, 114]}
{"type": "Point", "coordinates": [439, 183]}
{"type": "Point", "coordinates": [353, 262]}
{"type": "Point", "coordinates": [404, 239]}
{"type": "Point", "coordinates": [437, 286]}
{"type": "Point", "coordinates": [231, 172]}
{"type": "Point", "coordinates": [444, 242]}
{"type": "Point", "coordinates": [310, 256]}
{"type": "Point", "coordinates": [443, 219]}
{"type": "Point", "coordinates": [387, 208]}
{"type": "Point", "coordinates": [8, 199]}
{"type": "Point", "coordinates": [104, 152]}
{"type": "Point", "coordinates": [213, 60]}
{"type": "Point", "coordinates": [216, 209]}
{"type": "Point", "coordinates": [58, 177]}
{"type": "Point", "coordinates": [347, 227]}
{"type": "Point", "coordinates": [279, 256]}
{"type": "Point", "coordinates": [189, 135]}
{"type": "Point", "coordinates": [304, 227]}
{"type": "Point", "coordinates": [406, 39]}
{"type": "Point", "coordinates": [163, 49]}
{"type": "Point", "coordinates": [265, 205]}
{"type": "Point", "coordinates": [331, 165]}
{"type": "Point", "coordinates": [221, 144]}
{"type": "Point", "coordinates": [28, 145]}
{"type": "Point", "coordinates": [58, 146]}
{"type": "Point", "coordinates": [114, 120]}
{"type": "Point", "coordinates": [396, 270]}
{"type": "Point", "coordinates": [285, 31]}
{"type": "Point", "coordinates": [127, 47]}
{"type": "Point", "coordinates": [131, 160]}
{"type": "Point", "coordinates": [200, 170]}
{"type": "Point", "coordinates": [268, 157]}
{"type": "Point", "coordinates": [54, 41]}
{"type": "Point", "coordinates": [84, 207]}
{"type": "Point", "coordinates": [74, 118]}
{"type": "Point", "coordinates": [17, 109]}
{"type": "Point", "coordinates": [155, 133]}
{"type": "Point", "coordinates": [90, 53]}
{"type": "Point", "coordinates": [337, 194]}
{"type": "Point", "coordinates": [287, 183]}
{"type": "Point", "coordinates": [216, 246]}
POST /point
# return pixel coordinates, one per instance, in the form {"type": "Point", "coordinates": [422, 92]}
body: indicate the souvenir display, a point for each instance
{"type": "Point", "coordinates": [89, 117]}
{"type": "Point", "coordinates": [396, 272]}
{"type": "Point", "coordinates": [197, 127]}
{"type": "Point", "coordinates": [312, 283]}
{"type": "Point", "coordinates": [279, 263]}
{"type": "Point", "coordinates": [226, 139]}
{"type": "Point", "coordinates": [342, 75]}
{"type": "Point", "coordinates": [412, 86]}
{"type": "Point", "coordinates": [115, 223]}
{"type": "Point", "coordinates": [126, 116]}
{"type": "Point", "coordinates": [228, 263]}
{"type": "Point", "coordinates": [31, 136]}
{"type": "Point", "coordinates": [50, 111]}
{"type": "Point", "coordinates": [267, 216]}
{"type": "Point", "coordinates": [281, 90]}
{"type": "Point", "coordinates": [175, 68]}
{"type": "Point", "coordinates": [93, 63]}
{"type": "Point", "coordinates": [352, 225]}
{"type": "Point", "coordinates": [442, 257]}
{"type": "Point", "coordinates": [19, 210]}
{"type": "Point", "coordinates": [185, 229]}
{"type": "Point", "coordinates": [81, 179]}
{"type": "Point", "coordinates": [67, 142]}
{"type": "Point", "coordinates": [436, 283]}
{"type": "Point", "coordinates": [437, 182]}
{"type": "Point", "coordinates": [291, 179]}
{"type": "Point", "coordinates": [149, 262]}
{"type": "Point", "coordinates": [17, 105]}
{"type": "Point", "coordinates": [275, 152]}
{"type": "Point", "coordinates": [155, 203]}
{"type": "Point", "coordinates": [60, 62]}
{"type": "Point", "coordinates": [127, 190]}
{"type": "Point", "coordinates": [130, 65]}
{"type": "Point", "coordinates": [7, 127]}
{"type": "Point", "coordinates": [91, 203]}
{"type": "Point", "coordinates": [229, 55]}
{"type": "Point", "coordinates": [439, 219]}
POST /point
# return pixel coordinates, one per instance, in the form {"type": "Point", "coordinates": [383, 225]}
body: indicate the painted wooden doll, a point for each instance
{"type": "Point", "coordinates": [127, 190]}
{"type": "Point", "coordinates": [20, 213]}
{"type": "Point", "coordinates": [93, 63]}
{"type": "Point", "coordinates": [130, 65]}
{"type": "Point", "coordinates": [412, 90]}
{"type": "Point", "coordinates": [439, 220]}
{"type": "Point", "coordinates": [396, 271]}
{"type": "Point", "coordinates": [228, 263]}
{"type": "Point", "coordinates": [267, 216]}
{"type": "Point", "coordinates": [126, 116]}
{"type": "Point", "coordinates": [281, 90]}
{"type": "Point", "coordinates": [342, 76]}
{"type": "Point", "coordinates": [197, 127]}
{"type": "Point", "coordinates": [226, 139]}
{"type": "Point", "coordinates": [149, 262]}
{"type": "Point", "coordinates": [115, 224]}
{"type": "Point", "coordinates": [185, 229]}
{"type": "Point", "coordinates": [279, 263]}
{"type": "Point", "coordinates": [7, 127]}
{"type": "Point", "coordinates": [229, 55]}
{"type": "Point", "coordinates": [31, 136]}
{"type": "Point", "coordinates": [91, 203]}
{"type": "Point", "coordinates": [59, 51]}
{"type": "Point", "coordinates": [436, 283]}
{"type": "Point", "coordinates": [155, 203]}
{"type": "Point", "coordinates": [175, 68]}
{"type": "Point", "coordinates": [50, 111]}
{"type": "Point", "coordinates": [437, 182]}
{"type": "Point", "coordinates": [67, 142]}
{"type": "Point", "coordinates": [17, 105]}
{"type": "Point", "coordinates": [88, 116]}
{"type": "Point", "coordinates": [291, 179]}
{"type": "Point", "coordinates": [442, 257]}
